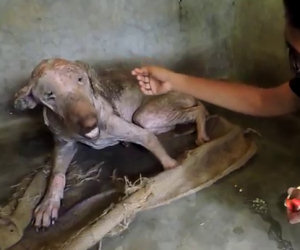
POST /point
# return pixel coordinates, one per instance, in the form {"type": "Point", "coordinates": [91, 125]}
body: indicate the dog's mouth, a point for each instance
{"type": "Point", "coordinates": [94, 133]}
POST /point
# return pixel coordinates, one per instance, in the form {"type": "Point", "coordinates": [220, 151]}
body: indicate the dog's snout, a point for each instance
{"type": "Point", "coordinates": [88, 123]}
{"type": "Point", "coordinates": [82, 116]}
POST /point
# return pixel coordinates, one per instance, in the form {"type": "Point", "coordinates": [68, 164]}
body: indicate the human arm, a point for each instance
{"type": "Point", "coordinates": [237, 97]}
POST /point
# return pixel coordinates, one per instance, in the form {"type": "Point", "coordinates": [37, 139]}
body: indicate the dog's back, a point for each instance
{"type": "Point", "coordinates": [121, 90]}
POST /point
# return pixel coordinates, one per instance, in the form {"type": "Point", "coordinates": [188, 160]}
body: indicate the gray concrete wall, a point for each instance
{"type": "Point", "coordinates": [222, 38]}
{"type": "Point", "coordinates": [258, 45]}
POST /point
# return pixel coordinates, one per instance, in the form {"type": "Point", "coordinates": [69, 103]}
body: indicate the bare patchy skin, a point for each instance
{"type": "Point", "coordinates": [99, 111]}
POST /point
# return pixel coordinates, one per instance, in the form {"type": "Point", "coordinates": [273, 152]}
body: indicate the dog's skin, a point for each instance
{"type": "Point", "coordinates": [100, 111]}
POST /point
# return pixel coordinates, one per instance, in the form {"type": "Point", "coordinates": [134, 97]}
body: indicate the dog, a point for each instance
{"type": "Point", "coordinates": [99, 110]}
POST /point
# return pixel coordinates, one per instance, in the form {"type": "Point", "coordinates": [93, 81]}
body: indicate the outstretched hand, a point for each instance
{"type": "Point", "coordinates": [153, 80]}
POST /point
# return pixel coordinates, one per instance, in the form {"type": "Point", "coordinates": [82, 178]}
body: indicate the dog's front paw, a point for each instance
{"type": "Point", "coordinates": [46, 213]}
{"type": "Point", "coordinates": [170, 163]}
{"type": "Point", "coordinates": [202, 138]}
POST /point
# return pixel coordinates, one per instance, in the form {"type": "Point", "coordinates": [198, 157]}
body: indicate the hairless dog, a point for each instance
{"type": "Point", "coordinates": [99, 110]}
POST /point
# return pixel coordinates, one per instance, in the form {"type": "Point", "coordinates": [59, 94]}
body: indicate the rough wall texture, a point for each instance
{"type": "Point", "coordinates": [222, 38]}
{"type": "Point", "coordinates": [258, 45]}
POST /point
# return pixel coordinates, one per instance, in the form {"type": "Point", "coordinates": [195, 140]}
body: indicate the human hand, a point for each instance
{"type": "Point", "coordinates": [153, 80]}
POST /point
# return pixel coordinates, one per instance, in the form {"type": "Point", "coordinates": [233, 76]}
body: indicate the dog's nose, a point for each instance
{"type": "Point", "coordinates": [88, 124]}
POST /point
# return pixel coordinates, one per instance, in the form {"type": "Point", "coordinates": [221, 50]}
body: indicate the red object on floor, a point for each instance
{"type": "Point", "coordinates": [293, 205]}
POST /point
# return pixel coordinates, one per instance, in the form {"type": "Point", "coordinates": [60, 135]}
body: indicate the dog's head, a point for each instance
{"type": "Point", "coordinates": [64, 87]}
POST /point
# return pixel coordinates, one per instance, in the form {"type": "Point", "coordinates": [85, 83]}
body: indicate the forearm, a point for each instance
{"type": "Point", "coordinates": [237, 97]}
{"type": "Point", "coordinates": [63, 155]}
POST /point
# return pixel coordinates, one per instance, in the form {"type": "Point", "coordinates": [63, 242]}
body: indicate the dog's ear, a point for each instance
{"type": "Point", "coordinates": [24, 98]}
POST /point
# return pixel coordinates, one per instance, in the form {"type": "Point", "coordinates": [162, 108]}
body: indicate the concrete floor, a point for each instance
{"type": "Point", "coordinates": [222, 216]}
{"type": "Point", "coordinates": [219, 217]}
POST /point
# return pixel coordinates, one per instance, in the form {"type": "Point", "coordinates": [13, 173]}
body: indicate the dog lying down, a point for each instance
{"type": "Point", "coordinates": [100, 111]}
{"type": "Point", "coordinates": [86, 221]}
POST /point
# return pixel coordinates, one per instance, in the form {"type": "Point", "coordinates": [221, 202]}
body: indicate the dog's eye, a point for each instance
{"type": "Point", "coordinates": [80, 80]}
{"type": "Point", "coordinates": [49, 96]}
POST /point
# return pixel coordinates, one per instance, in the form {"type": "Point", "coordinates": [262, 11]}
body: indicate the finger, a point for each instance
{"type": "Point", "coordinates": [291, 190]}
{"type": "Point", "coordinates": [134, 72]}
{"type": "Point", "coordinates": [140, 71]}
{"type": "Point", "coordinates": [147, 86]}
{"type": "Point", "coordinates": [143, 89]}
{"type": "Point", "coordinates": [154, 85]}
{"type": "Point", "coordinates": [144, 71]}
{"type": "Point", "coordinates": [145, 79]}
{"type": "Point", "coordinates": [142, 84]}
{"type": "Point", "coordinates": [293, 217]}
{"type": "Point", "coordinates": [141, 78]}
{"type": "Point", "coordinates": [146, 91]}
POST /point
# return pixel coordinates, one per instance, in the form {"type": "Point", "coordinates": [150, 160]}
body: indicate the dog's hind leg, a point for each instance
{"type": "Point", "coordinates": [162, 113]}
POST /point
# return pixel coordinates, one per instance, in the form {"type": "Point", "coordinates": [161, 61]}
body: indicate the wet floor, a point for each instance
{"type": "Point", "coordinates": [242, 211]}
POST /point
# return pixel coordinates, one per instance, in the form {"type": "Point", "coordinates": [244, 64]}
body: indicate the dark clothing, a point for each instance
{"type": "Point", "coordinates": [295, 85]}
